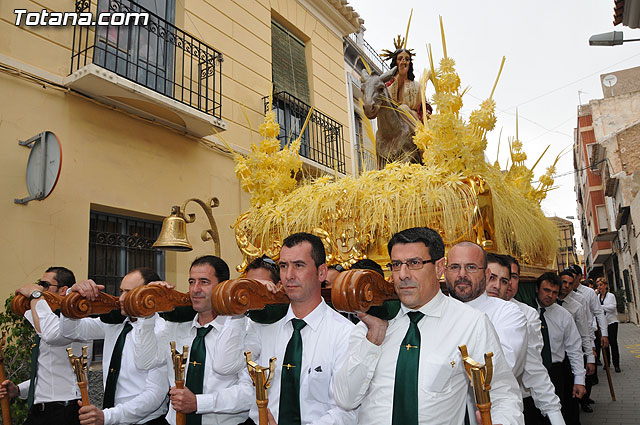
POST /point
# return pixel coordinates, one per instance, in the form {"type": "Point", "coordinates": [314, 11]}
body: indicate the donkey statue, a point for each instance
{"type": "Point", "coordinates": [394, 138]}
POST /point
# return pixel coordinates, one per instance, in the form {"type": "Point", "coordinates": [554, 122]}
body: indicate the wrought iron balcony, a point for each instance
{"type": "Point", "coordinates": [322, 140]}
{"type": "Point", "coordinates": [370, 52]}
{"type": "Point", "coordinates": [154, 54]}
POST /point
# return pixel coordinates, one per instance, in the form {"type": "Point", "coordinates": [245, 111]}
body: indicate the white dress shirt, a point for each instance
{"type": "Point", "coordinates": [325, 341]}
{"type": "Point", "coordinates": [225, 358]}
{"type": "Point", "coordinates": [593, 308]}
{"type": "Point", "coordinates": [141, 395]}
{"type": "Point", "coordinates": [579, 315]}
{"type": "Point", "coordinates": [535, 379]}
{"type": "Point", "coordinates": [610, 307]}
{"type": "Point", "coordinates": [511, 326]}
{"type": "Point", "coordinates": [368, 376]}
{"type": "Point", "coordinates": [565, 338]}
{"type": "Point", "coordinates": [55, 380]}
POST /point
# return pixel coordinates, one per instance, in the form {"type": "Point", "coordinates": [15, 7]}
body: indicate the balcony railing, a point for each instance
{"type": "Point", "coordinates": [155, 54]}
{"type": "Point", "coordinates": [322, 140]}
{"type": "Point", "coordinates": [370, 52]}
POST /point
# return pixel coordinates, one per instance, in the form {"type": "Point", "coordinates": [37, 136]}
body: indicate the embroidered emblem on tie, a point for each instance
{"type": "Point", "coordinates": [409, 346]}
{"type": "Point", "coordinates": [194, 363]}
{"type": "Point", "coordinates": [288, 366]}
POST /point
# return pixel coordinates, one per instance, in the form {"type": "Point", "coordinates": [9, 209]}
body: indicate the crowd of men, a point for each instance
{"type": "Point", "coordinates": [400, 370]}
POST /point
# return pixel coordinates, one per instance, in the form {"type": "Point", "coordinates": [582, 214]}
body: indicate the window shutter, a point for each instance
{"type": "Point", "coordinates": [288, 63]}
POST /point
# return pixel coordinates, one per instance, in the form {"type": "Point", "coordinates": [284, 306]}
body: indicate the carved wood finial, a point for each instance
{"type": "Point", "coordinates": [20, 304]}
{"type": "Point", "coordinates": [237, 296]}
{"type": "Point", "coordinates": [146, 300]}
{"type": "Point", "coordinates": [359, 290]}
{"type": "Point", "coordinates": [76, 306]}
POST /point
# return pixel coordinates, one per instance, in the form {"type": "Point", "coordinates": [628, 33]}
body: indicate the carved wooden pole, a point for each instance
{"type": "Point", "coordinates": [179, 361]}
{"type": "Point", "coordinates": [79, 365]}
{"type": "Point", "coordinates": [480, 376]}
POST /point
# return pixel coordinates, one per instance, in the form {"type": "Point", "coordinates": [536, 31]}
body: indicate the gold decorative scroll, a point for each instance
{"type": "Point", "coordinates": [261, 378]}
{"type": "Point", "coordinates": [79, 365]}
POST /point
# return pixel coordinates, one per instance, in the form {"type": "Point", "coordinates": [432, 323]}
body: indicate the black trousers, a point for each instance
{"type": "Point", "coordinates": [55, 413]}
{"type": "Point", "coordinates": [570, 405]}
{"type": "Point", "coordinates": [157, 421]}
{"type": "Point", "coordinates": [613, 354]}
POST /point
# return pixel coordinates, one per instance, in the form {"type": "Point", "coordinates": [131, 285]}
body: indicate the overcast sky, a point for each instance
{"type": "Point", "coordinates": [548, 61]}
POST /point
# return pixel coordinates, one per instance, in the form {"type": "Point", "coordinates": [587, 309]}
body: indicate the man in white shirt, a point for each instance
{"type": "Point", "coordinates": [132, 395]}
{"type": "Point", "coordinates": [310, 344]}
{"type": "Point", "coordinates": [592, 306]}
{"type": "Point", "coordinates": [538, 392]}
{"type": "Point", "coordinates": [381, 372]}
{"type": "Point", "coordinates": [52, 393]}
{"type": "Point", "coordinates": [560, 336]}
{"type": "Point", "coordinates": [215, 348]}
{"type": "Point", "coordinates": [471, 285]}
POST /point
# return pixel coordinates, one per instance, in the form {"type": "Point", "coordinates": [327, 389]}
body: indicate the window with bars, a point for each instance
{"type": "Point", "coordinates": [288, 63]}
{"type": "Point", "coordinates": [118, 244]}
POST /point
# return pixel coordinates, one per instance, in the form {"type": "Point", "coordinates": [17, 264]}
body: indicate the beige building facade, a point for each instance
{"type": "Point", "coordinates": [149, 116]}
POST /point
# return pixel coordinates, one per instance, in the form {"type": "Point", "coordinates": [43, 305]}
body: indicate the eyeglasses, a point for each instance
{"type": "Point", "coordinates": [412, 264]}
{"type": "Point", "coordinates": [45, 284]}
{"type": "Point", "coordinates": [470, 268]}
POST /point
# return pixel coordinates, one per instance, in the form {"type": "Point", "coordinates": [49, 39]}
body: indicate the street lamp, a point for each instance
{"type": "Point", "coordinates": [173, 235]}
{"type": "Point", "coordinates": [613, 38]}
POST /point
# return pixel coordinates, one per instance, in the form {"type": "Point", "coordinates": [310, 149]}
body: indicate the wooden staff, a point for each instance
{"type": "Point", "coordinates": [6, 407]}
{"type": "Point", "coordinates": [20, 304]}
{"type": "Point", "coordinates": [79, 365]}
{"type": "Point", "coordinates": [353, 291]}
{"type": "Point", "coordinates": [262, 381]}
{"type": "Point", "coordinates": [75, 306]}
{"type": "Point", "coordinates": [605, 361]}
{"type": "Point", "coordinates": [179, 362]}
{"type": "Point", "coordinates": [146, 300]}
{"type": "Point", "coordinates": [480, 376]}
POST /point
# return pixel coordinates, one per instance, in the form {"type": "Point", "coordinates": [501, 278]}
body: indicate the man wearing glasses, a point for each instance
{"type": "Point", "coordinates": [51, 392]}
{"type": "Point", "coordinates": [381, 371]}
{"type": "Point", "coordinates": [468, 276]}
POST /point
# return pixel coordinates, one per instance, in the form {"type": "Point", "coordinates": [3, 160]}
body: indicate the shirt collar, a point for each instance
{"type": "Point", "coordinates": [312, 319]}
{"type": "Point", "coordinates": [477, 303]}
{"type": "Point", "coordinates": [217, 323]}
{"type": "Point", "coordinates": [432, 308]}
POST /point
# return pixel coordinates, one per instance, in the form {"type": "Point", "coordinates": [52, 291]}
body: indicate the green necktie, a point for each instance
{"type": "Point", "coordinates": [546, 348]}
{"type": "Point", "coordinates": [195, 371]}
{"type": "Point", "coordinates": [114, 368]}
{"type": "Point", "coordinates": [289, 410]}
{"type": "Point", "coordinates": [35, 351]}
{"type": "Point", "coordinates": [405, 389]}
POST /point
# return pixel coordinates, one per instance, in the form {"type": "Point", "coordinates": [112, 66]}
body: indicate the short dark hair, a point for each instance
{"type": "Point", "coordinates": [512, 260]}
{"type": "Point", "coordinates": [64, 276]}
{"type": "Point", "coordinates": [367, 264]}
{"type": "Point", "coordinates": [267, 263]}
{"type": "Point", "coordinates": [429, 237]}
{"type": "Point", "coordinates": [499, 259]}
{"type": "Point", "coordinates": [219, 266]}
{"type": "Point", "coordinates": [577, 269]}
{"type": "Point", "coordinates": [566, 272]}
{"type": "Point", "coordinates": [550, 277]}
{"type": "Point", "coordinates": [148, 275]}
{"type": "Point", "coordinates": [317, 248]}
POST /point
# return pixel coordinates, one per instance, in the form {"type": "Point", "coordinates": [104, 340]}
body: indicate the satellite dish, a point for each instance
{"type": "Point", "coordinates": [609, 80]}
{"type": "Point", "coordinates": [43, 166]}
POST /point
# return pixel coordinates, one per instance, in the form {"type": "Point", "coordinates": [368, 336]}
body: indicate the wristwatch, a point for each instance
{"type": "Point", "coordinates": [35, 295]}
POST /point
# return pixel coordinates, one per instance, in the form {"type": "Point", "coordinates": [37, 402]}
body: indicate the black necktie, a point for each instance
{"type": "Point", "coordinates": [35, 351]}
{"type": "Point", "coordinates": [405, 389]}
{"type": "Point", "coordinates": [195, 371]}
{"type": "Point", "coordinates": [114, 368]}
{"type": "Point", "coordinates": [546, 348]}
{"type": "Point", "coordinates": [289, 409]}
